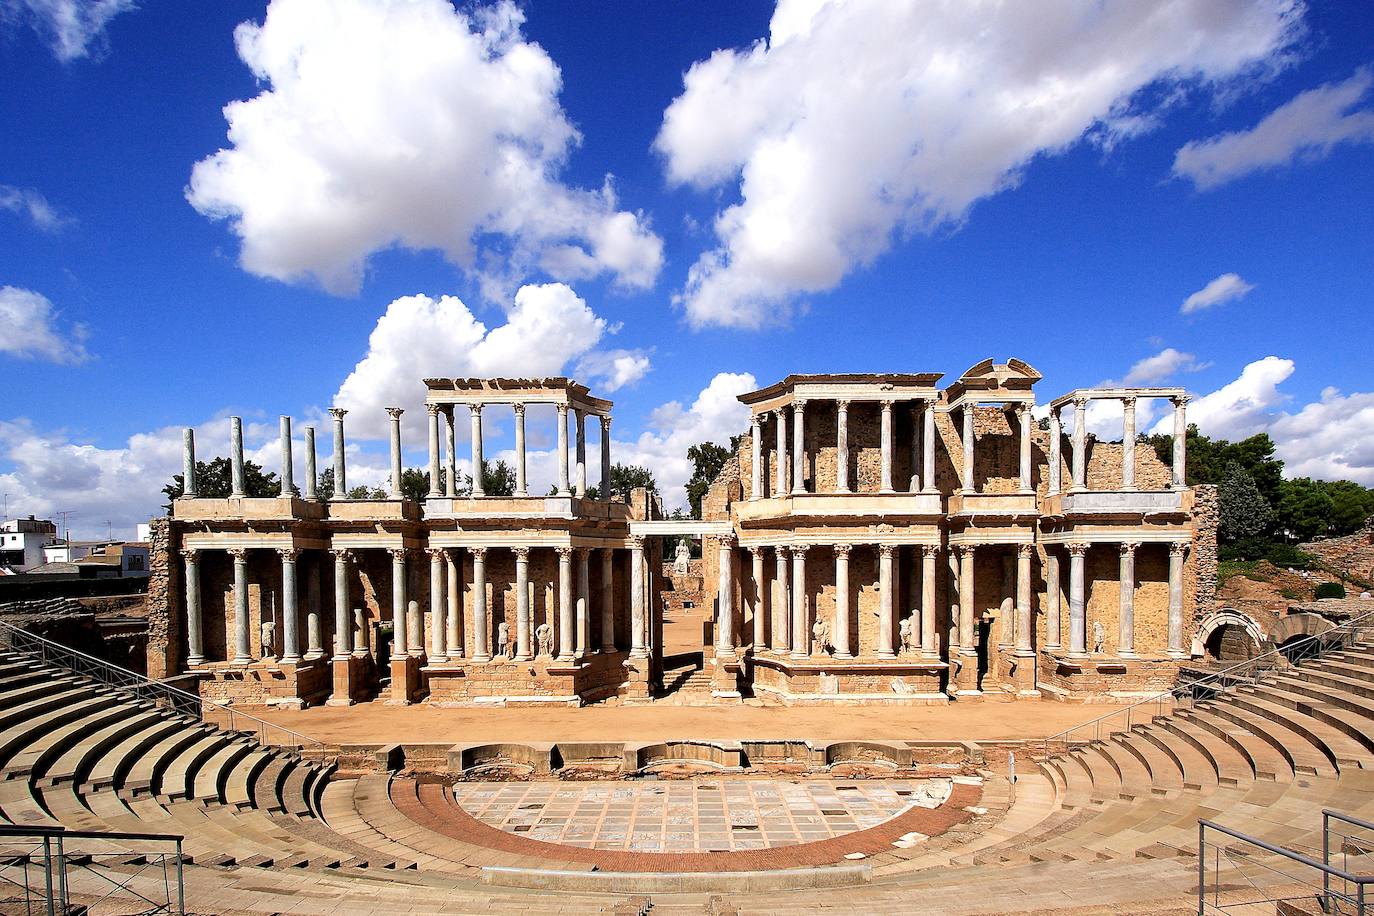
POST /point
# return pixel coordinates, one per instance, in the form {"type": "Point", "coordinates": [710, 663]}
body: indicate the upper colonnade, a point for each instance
{"type": "Point", "coordinates": [1127, 397]}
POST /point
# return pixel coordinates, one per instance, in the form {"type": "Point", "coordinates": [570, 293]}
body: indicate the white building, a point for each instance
{"type": "Point", "coordinates": [22, 541]}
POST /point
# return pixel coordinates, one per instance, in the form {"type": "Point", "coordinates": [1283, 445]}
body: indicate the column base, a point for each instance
{"type": "Point", "coordinates": [1179, 655]}
{"type": "Point", "coordinates": [1126, 653]}
{"type": "Point", "coordinates": [195, 660]}
{"type": "Point", "coordinates": [481, 659]}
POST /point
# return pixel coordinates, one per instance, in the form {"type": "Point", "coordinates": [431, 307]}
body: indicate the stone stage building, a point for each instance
{"type": "Point", "coordinates": [875, 539]}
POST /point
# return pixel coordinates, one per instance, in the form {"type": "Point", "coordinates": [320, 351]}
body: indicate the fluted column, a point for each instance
{"type": "Point", "coordinates": [1180, 442]}
{"type": "Point", "coordinates": [342, 643]}
{"type": "Point", "coordinates": [563, 488]}
{"type": "Point", "coordinates": [638, 629]}
{"type": "Point", "coordinates": [782, 609]}
{"type": "Point", "coordinates": [1056, 458]}
{"type": "Point", "coordinates": [567, 625]}
{"type": "Point", "coordinates": [1053, 602]}
{"type": "Point", "coordinates": [608, 599]}
{"type": "Point", "coordinates": [453, 598]}
{"type": "Point", "coordinates": [340, 463]}
{"type": "Point", "coordinates": [475, 417]}
{"type": "Point", "coordinates": [311, 473]}
{"type": "Point", "coordinates": [1080, 444]}
{"type": "Point", "coordinates": [782, 470]}
{"type": "Point", "coordinates": [450, 453]}
{"type": "Point", "coordinates": [236, 482]}
{"type": "Point", "coordinates": [188, 463]}
{"type": "Point", "coordinates": [928, 447]}
{"type": "Point", "coordinates": [798, 447]}
{"type": "Point", "coordinates": [841, 446]}
{"type": "Point", "coordinates": [885, 457]}
{"type": "Point", "coordinates": [523, 652]}
{"type": "Point", "coordinates": [756, 454]}
{"type": "Point", "coordinates": [290, 619]}
{"type": "Point", "coordinates": [725, 598]}
{"type": "Point", "coordinates": [760, 597]}
{"type": "Point", "coordinates": [583, 599]}
{"type": "Point", "coordinates": [195, 640]}
{"type": "Point", "coordinates": [400, 637]}
{"type": "Point", "coordinates": [930, 646]}
{"type": "Point", "coordinates": [395, 414]}
{"type": "Point", "coordinates": [288, 471]}
{"type": "Point", "coordinates": [438, 623]}
{"type": "Point", "coordinates": [1078, 632]}
{"type": "Point", "coordinates": [1023, 414]}
{"type": "Point", "coordinates": [580, 444]}
{"type": "Point", "coordinates": [481, 650]}
{"type": "Point", "coordinates": [435, 459]}
{"type": "Point", "coordinates": [967, 480]}
{"type": "Point", "coordinates": [840, 636]}
{"type": "Point", "coordinates": [801, 629]}
{"type": "Point", "coordinates": [606, 459]}
{"type": "Point", "coordinates": [521, 486]}
{"type": "Point", "coordinates": [1128, 443]}
{"type": "Point", "coordinates": [1177, 554]}
{"type": "Point", "coordinates": [1024, 553]}
{"type": "Point", "coordinates": [887, 579]}
{"type": "Point", "coordinates": [1125, 643]}
{"type": "Point", "coordinates": [243, 646]}
{"type": "Point", "coordinates": [314, 638]}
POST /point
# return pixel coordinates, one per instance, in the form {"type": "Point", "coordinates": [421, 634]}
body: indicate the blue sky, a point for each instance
{"type": "Point", "coordinates": [874, 189]}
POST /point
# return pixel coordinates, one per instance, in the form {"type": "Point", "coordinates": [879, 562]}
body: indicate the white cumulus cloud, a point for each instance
{"type": "Point", "coordinates": [33, 205]}
{"type": "Point", "coordinates": [1161, 366]}
{"type": "Point", "coordinates": [1225, 288]}
{"type": "Point", "coordinates": [614, 368]}
{"type": "Point", "coordinates": [30, 329]}
{"type": "Point", "coordinates": [73, 28]}
{"type": "Point", "coordinates": [409, 123]}
{"type": "Point", "coordinates": [1308, 127]}
{"type": "Point", "coordinates": [860, 119]}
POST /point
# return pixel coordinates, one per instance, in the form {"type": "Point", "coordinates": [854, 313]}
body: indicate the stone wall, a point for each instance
{"type": "Point", "coordinates": [1200, 571]}
{"type": "Point", "coordinates": [1353, 553]}
{"type": "Point", "coordinates": [165, 612]}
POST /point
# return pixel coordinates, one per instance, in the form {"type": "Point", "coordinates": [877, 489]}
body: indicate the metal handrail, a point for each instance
{"type": "Point", "coordinates": [56, 862]}
{"type": "Point", "coordinates": [1327, 816]}
{"type": "Point", "coordinates": [1328, 870]}
{"type": "Point", "coordinates": [122, 678]}
{"type": "Point", "coordinates": [47, 830]}
{"type": "Point", "coordinates": [1191, 686]}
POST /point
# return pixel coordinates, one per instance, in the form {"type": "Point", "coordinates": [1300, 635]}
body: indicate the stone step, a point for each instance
{"type": "Point", "coordinates": [1196, 771]}
{"type": "Point", "coordinates": [176, 778]}
{"type": "Point", "coordinates": [147, 771]}
{"type": "Point", "coordinates": [1135, 781]}
{"type": "Point", "coordinates": [40, 750]}
{"type": "Point", "coordinates": [31, 720]}
{"type": "Point", "coordinates": [1347, 713]}
{"type": "Point", "coordinates": [112, 766]}
{"type": "Point", "coordinates": [1164, 773]}
{"type": "Point", "coordinates": [1269, 722]}
{"type": "Point", "coordinates": [1309, 718]}
{"type": "Point", "coordinates": [82, 756]}
{"type": "Point", "coordinates": [212, 777]}
{"type": "Point", "coordinates": [1265, 762]}
{"type": "Point", "coordinates": [1230, 766]}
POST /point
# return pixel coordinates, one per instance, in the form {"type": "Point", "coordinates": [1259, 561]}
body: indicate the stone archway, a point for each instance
{"type": "Point", "coordinates": [1212, 629]}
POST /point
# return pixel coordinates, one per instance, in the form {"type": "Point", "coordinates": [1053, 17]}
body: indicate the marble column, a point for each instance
{"type": "Point", "coordinates": [314, 638]}
{"type": "Point", "coordinates": [606, 459]}
{"type": "Point", "coordinates": [840, 636]}
{"type": "Point", "coordinates": [523, 651]}
{"type": "Point", "coordinates": [1078, 631]}
{"type": "Point", "coordinates": [243, 646]}
{"type": "Point", "coordinates": [360, 633]}
{"type": "Point", "coordinates": [930, 645]}
{"type": "Point", "coordinates": [1004, 625]}
{"type": "Point", "coordinates": [288, 471]}
{"type": "Point", "coordinates": [400, 637]}
{"type": "Point", "coordinates": [290, 613]}
{"type": "Point", "coordinates": [475, 417]}
{"type": "Point", "coordinates": [725, 598]}
{"type": "Point", "coordinates": [608, 600]}
{"type": "Point", "coordinates": [952, 559]}
{"type": "Point", "coordinates": [756, 569]}
{"type": "Point", "coordinates": [801, 625]}
{"type": "Point", "coordinates": [195, 639]}
{"type": "Point", "coordinates": [450, 453]}
{"type": "Point", "coordinates": [563, 486]}
{"type": "Point", "coordinates": [967, 480]}
{"type": "Point", "coordinates": [782, 608]}
{"type": "Point", "coordinates": [1023, 414]}
{"type": "Point", "coordinates": [395, 414]}
{"type": "Point", "coordinates": [584, 619]}
{"type": "Point", "coordinates": [841, 446]}
{"type": "Point", "coordinates": [453, 598]}
{"type": "Point", "coordinates": [1080, 445]}
{"type": "Point", "coordinates": [340, 463]}
{"type": "Point", "coordinates": [481, 650]}
{"type": "Point", "coordinates": [1128, 443]}
{"type": "Point", "coordinates": [311, 473]}
{"type": "Point", "coordinates": [783, 463]}
{"type": "Point", "coordinates": [438, 607]}
{"type": "Point", "coordinates": [1053, 601]}
{"type": "Point", "coordinates": [639, 647]}
{"type": "Point", "coordinates": [236, 482]}
{"type": "Point", "coordinates": [188, 463]}
{"type": "Point", "coordinates": [968, 639]}
{"type": "Point", "coordinates": [1056, 459]}
{"type": "Point", "coordinates": [580, 443]}
{"type": "Point", "coordinates": [521, 486]}
{"type": "Point", "coordinates": [928, 447]}
{"type": "Point", "coordinates": [342, 643]}
{"type": "Point", "coordinates": [1125, 643]}
{"type": "Point", "coordinates": [1180, 442]}
{"type": "Point", "coordinates": [567, 623]}
{"type": "Point", "coordinates": [756, 457]}
{"type": "Point", "coordinates": [435, 460]}
{"type": "Point", "coordinates": [1177, 551]}
{"type": "Point", "coordinates": [887, 580]}
{"type": "Point", "coordinates": [799, 447]}
{"type": "Point", "coordinates": [1024, 553]}
{"type": "Point", "coordinates": [885, 455]}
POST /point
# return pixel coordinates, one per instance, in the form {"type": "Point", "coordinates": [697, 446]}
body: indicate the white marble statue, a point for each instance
{"type": "Point", "coordinates": [1099, 637]}
{"type": "Point", "coordinates": [682, 558]}
{"type": "Point", "coordinates": [543, 634]}
{"type": "Point", "coordinates": [904, 632]}
{"type": "Point", "coordinates": [820, 634]}
{"type": "Point", "coordinates": [268, 634]}
{"type": "Point", "coordinates": [504, 649]}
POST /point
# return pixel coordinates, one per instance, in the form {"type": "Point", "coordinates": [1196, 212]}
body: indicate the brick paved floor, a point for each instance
{"type": "Point", "coordinates": [705, 815]}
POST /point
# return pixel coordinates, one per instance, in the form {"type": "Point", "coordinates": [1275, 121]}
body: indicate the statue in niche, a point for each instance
{"type": "Point", "coordinates": [267, 632]}
{"type": "Point", "coordinates": [1099, 637]}
{"type": "Point", "coordinates": [543, 634]}
{"type": "Point", "coordinates": [504, 649]}
{"type": "Point", "coordinates": [682, 558]}
{"type": "Point", "coordinates": [820, 636]}
{"type": "Point", "coordinates": [906, 632]}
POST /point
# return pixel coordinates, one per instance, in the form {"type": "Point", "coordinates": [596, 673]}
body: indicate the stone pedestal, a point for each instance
{"type": "Point", "coordinates": [1022, 667]}
{"type": "Point", "coordinates": [964, 680]}
{"type": "Point", "coordinates": [349, 673]}
{"type": "Point", "coordinates": [405, 681]}
{"type": "Point", "coordinates": [726, 676]}
{"type": "Point", "coordinates": [1104, 678]}
{"type": "Point", "coordinates": [638, 679]}
{"type": "Point", "coordinates": [266, 682]}
{"type": "Point", "coordinates": [824, 680]}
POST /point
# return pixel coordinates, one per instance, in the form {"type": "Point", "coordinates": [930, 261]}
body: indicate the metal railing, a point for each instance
{"type": "Point", "coordinates": [137, 686]}
{"type": "Point", "coordinates": [1211, 685]}
{"type": "Point", "coordinates": [1245, 882]}
{"type": "Point", "coordinates": [45, 867]}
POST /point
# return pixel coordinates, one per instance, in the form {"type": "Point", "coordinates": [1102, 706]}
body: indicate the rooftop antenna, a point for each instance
{"type": "Point", "coordinates": [67, 533]}
{"type": "Point", "coordinates": [109, 530]}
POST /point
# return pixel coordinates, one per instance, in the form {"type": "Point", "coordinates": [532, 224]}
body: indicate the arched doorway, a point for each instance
{"type": "Point", "coordinates": [1227, 637]}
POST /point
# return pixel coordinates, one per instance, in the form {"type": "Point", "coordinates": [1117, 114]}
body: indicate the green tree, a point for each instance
{"type": "Point", "coordinates": [325, 488]}
{"type": "Point", "coordinates": [215, 479]}
{"type": "Point", "coordinates": [624, 478]}
{"type": "Point", "coordinates": [707, 461]}
{"type": "Point", "coordinates": [1208, 458]}
{"type": "Point", "coordinates": [498, 479]}
{"type": "Point", "coordinates": [1311, 509]}
{"type": "Point", "coordinates": [1245, 513]}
